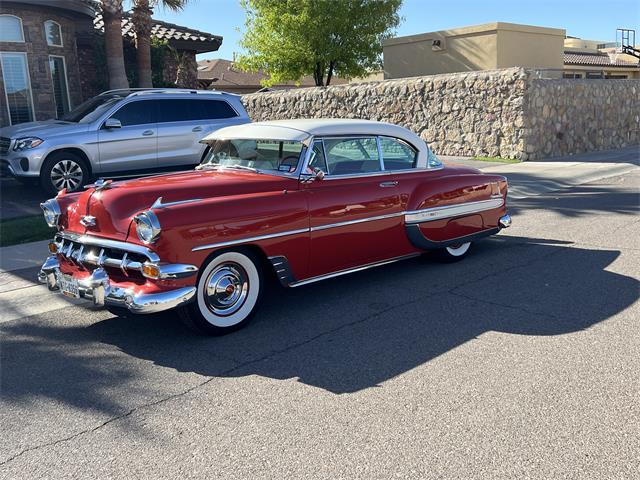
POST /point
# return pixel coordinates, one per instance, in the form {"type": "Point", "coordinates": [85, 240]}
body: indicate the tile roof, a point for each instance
{"type": "Point", "coordinates": [595, 59]}
{"type": "Point", "coordinates": [199, 41]}
{"type": "Point", "coordinates": [228, 75]}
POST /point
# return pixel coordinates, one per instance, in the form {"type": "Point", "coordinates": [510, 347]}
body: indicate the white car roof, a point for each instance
{"type": "Point", "coordinates": [301, 129]}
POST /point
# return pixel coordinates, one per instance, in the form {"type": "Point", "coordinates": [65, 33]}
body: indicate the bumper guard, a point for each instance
{"type": "Point", "coordinates": [99, 288]}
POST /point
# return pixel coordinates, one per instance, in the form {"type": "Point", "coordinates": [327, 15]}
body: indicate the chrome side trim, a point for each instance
{"type": "Point", "coordinates": [250, 239]}
{"type": "Point", "coordinates": [106, 243]}
{"type": "Point", "coordinates": [158, 203]}
{"type": "Point", "coordinates": [360, 220]}
{"type": "Point", "coordinates": [351, 270]}
{"type": "Point", "coordinates": [438, 213]}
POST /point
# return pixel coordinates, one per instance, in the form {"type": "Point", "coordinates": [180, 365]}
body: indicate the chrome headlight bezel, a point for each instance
{"type": "Point", "coordinates": [147, 227]}
{"type": "Point", "coordinates": [26, 143]}
{"type": "Point", "coordinates": [51, 211]}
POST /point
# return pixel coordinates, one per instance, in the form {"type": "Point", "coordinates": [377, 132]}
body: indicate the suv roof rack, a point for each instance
{"type": "Point", "coordinates": [144, 91]}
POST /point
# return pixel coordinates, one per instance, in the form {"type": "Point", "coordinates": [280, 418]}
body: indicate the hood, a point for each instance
{"type": "Point", "coordinates": [43, 129]}
{"type": "Point", "coordinates": [115, 207]}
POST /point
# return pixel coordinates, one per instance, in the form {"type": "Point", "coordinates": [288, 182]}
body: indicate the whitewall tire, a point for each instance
{"type": "Point", "coordinates": [228, 291]}
{"type": "Point", "coordinates": [454, 253]}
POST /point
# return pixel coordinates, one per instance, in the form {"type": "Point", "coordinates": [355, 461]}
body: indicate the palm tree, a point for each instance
{"type": "Point", "coordinates": [112, 17]}
{"type": "Point", "coordinates": [142, 11]}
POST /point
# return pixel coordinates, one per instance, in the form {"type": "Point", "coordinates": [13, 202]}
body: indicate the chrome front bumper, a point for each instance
{"type": "Point", "coordinates": [99, 288]}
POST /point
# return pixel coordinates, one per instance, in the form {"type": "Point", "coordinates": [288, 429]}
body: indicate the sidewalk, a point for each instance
{"type": "Point", "coordinates": [544, 176]}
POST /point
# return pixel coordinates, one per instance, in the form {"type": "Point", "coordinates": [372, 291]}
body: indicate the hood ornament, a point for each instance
{"type": "Point", "coordinates": [100, 184]}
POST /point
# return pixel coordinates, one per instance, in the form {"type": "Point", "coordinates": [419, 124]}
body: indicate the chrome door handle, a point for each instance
{"type": "Point", "coordinates": [146, 133]}
{"type": "Point", "coordinates": [389, 184]}
{"type": "Point", "coordinates": [196, 129]}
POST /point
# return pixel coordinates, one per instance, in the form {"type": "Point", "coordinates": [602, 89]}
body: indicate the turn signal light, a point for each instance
{"type": "Point", "coordinates": [53, 248]}
{"type": "Point", "coordinates": [150, 271]}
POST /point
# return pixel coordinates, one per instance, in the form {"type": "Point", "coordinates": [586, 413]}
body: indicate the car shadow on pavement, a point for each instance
{"type": "Point", "coordinates": [342, 335]}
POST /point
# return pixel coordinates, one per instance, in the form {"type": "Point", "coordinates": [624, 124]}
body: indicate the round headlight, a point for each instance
{"type": "Point", "coordinates": [51, 211]}
{"type": "Point", "coordinates": [147, 226]}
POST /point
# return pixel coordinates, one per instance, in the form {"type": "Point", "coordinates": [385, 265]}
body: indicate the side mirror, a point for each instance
{"type": "Point", "coordinates": [316, 176]}
{"type": "Point", "coordinates": [112, 123]}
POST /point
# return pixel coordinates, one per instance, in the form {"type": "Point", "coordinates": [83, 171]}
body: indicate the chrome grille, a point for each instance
{"type": "Point", "coordinates": [88, 253]}
{"type": "Point", "coordinates": [5, 143]}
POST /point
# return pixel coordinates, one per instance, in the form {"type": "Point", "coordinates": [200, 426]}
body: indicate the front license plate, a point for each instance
{"type": "Point", "coordinates": [68, 285]}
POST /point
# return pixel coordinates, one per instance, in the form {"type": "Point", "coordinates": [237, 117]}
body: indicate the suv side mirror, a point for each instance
{"type": "Point", "coordinates": [112, 123]}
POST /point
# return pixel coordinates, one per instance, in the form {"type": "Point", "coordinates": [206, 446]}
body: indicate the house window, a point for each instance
{"type": "Point", "coordinates": [53, 33]}
{"type": "Point", "coordinates": [572, 75]}
{"type": "Point", "coordinates": [595, 75]}
{"type": "Point", "coordinates": [17, 87]}
{"type": "Point", "coordinates": [11, 29]}
{"type": "Point", "coordinates": [60, 85]}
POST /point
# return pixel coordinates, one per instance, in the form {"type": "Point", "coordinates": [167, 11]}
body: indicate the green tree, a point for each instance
{"type": "Point", "coordinates": [289, 39]}
{"type": "Point", "coordinates": [142, 22]}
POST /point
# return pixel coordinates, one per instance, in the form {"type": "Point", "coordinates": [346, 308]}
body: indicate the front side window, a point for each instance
{"type": "Point", "coordinates": [136, 113]}
{"type": "Point", "coordinates": [349, 156]}
{"type": "Point", "coordinates": [60, 87]}
{"type": "Point", "coordinates": [17, 87]}
{"type": "Point", "coordinates": [11, 29]}
{"type": "Point", "coordinates": [53, 33]}
{"type": "Point", "coordinates": [259, 154]}
{"type": "Point", "coordinates": [396, 154]}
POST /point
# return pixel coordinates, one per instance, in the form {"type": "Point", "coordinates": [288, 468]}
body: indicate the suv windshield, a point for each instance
{"type": "Point", "coordinates": [92, 109]}
{"type": "Point", "coordinates": [274, 155]}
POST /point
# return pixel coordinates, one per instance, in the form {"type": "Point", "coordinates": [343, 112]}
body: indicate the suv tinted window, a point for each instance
{"type": "Point", "coordinates": [182, 110]}
{"type": "Point", "coordinates": [136, 113]}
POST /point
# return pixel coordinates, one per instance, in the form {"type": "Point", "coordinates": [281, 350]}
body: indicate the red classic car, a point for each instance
{"type": "Point", "coordinates": [310, 199]}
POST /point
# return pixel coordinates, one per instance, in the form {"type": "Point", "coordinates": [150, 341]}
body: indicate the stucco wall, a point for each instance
{"type": "Point", "coordinates": [507, 113]}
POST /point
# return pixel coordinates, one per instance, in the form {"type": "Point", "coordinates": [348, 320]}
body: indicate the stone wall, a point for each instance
{"type": "Point", "coordinates": [507, 113]}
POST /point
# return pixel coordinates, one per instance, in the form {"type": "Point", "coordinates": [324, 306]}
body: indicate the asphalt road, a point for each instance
{"type": "Point", "coordinates": [519, 362]}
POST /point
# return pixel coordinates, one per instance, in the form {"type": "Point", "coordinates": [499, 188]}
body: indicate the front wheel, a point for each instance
{"type": "Point", "coordinates": [63, 170]}
{"type": "Point", "coordinates": [228, 291]}
{"type": "Point", "coordinates": [454, 253]}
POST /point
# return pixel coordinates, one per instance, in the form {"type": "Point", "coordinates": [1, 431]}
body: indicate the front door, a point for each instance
{"type": "Point", "coordinates": [355, 211]}
{"type": "Point", "coordinates": [133, 146]}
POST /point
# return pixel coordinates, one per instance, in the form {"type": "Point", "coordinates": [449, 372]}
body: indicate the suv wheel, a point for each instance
{"type": "Point", "coordinates": [64, 170]}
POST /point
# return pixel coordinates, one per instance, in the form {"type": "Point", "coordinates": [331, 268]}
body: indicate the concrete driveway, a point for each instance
{"type": "Point", "coordinates": [519, 362]}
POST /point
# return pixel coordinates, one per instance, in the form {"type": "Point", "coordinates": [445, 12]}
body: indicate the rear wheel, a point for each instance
{"type": "Point", "coordinates": [454, 253]}
{"type": "Point", "coordinates": [64, 170]}
{"type": "Point", "coordinates": [228, 292]}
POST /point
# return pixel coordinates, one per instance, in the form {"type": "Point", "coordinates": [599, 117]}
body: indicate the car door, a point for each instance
{"type": "Point", "coordinates": [355, 211]}
{"type": "Point", "coordinates": [182, 123]}
{"type": "Point", "coordinates": [132, 146]}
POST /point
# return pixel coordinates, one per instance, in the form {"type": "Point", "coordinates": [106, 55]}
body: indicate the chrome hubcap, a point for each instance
{"type": "Point", "coordinates": [226, 289]}
{"type": "Point", "coordinates": [66, 174]}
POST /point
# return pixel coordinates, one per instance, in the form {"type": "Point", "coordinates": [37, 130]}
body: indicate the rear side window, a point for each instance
{"type": "Point", "coordinates": [185, 110]}
{"type": "Point", "coordinates": [396, 154]}
{"type": "Point", "coordinates": [136, 113]}
{"type": "Point", "coordinates": [215, 109]}
{"type": "Point", "coordinates": [348, 156]}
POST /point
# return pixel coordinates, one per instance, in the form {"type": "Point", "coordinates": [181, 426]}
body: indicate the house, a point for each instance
{"type": "Point", "coordinates": [52, 56]}
{"type": "Point", "coordinates": [220, 74]}
{"type": "Point", "coordinates": [501, 45]}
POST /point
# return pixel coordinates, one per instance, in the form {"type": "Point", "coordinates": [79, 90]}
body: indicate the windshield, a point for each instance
{"type": "Point", "coordinates": [266, 155]}
{"type": "Point", "coordinates": [92, 109]}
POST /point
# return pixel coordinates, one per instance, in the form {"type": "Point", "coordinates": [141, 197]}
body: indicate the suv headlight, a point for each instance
{"type": "Point", "coordinates": [27, 143]}
{"type": "Point", "coordinates": [147, 226]}
{"type": "Point", "coordinates": [51, 211]}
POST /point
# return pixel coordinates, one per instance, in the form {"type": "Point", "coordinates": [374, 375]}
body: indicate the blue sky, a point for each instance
{"type": "Point", "coordinates": [590, 19]}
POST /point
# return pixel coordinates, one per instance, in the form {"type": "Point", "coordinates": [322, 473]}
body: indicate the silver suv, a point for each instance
{"type": "Point", "coordinates": [118, 133]}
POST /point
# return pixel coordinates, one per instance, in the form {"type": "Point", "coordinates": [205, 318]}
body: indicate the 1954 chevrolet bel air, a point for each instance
{"type": "Point", "coordinates": [309, 199]}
